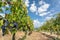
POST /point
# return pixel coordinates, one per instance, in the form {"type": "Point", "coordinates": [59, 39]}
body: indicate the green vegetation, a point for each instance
{"type": "Point", "coordinates": [52, 25]}
{"type": "Point", "coordinates": [18, 14]}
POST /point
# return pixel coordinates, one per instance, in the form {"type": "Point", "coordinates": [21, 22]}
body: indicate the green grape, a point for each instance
{"type": "Point", "coordinates": [19, 14]}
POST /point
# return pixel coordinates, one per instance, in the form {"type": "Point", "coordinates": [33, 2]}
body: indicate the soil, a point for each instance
{"type": "Point", "coordinates": [33, 36]}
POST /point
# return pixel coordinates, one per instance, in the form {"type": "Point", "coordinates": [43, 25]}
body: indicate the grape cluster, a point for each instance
{"type": "Point", "coordinates": [3, 30]}
{"type": "Point", "coordinates": [5, 24]}
{"type": "Point", "coordinates": [15, 24]}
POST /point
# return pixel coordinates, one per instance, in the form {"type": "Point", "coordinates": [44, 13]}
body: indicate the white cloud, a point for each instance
{"type": "Point", "coordinates": [41, 2]}
{"type": "Point", "coordinates": [36, 23]}
{"type": "Point", "coordinates": [43, 8]}
{"type": "Point", "coordinates": [33, 8]}
{"type": "Point", "coordinates": [43, 14]}
{"type": "Point", "coordinates": [27, 3]}
{"type": "Point", "coordinates": [48, 17]}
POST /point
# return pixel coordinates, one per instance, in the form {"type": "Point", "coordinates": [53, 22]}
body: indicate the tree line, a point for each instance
{"type": "Point", "coordinates": [52, 25]}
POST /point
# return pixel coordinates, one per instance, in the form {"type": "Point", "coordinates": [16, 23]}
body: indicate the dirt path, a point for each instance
{"type": "Point", "coordinates": [33, 36]}
{"type": "Point", "coordinates": [36, 36]}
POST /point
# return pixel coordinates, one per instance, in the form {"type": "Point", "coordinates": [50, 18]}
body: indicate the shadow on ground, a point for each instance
{"type": "Point", "coordinates": [50, 37]}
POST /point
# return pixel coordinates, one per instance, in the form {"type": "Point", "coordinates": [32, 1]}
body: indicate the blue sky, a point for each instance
{"type": "Point", "coordinates": [40, 10]}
